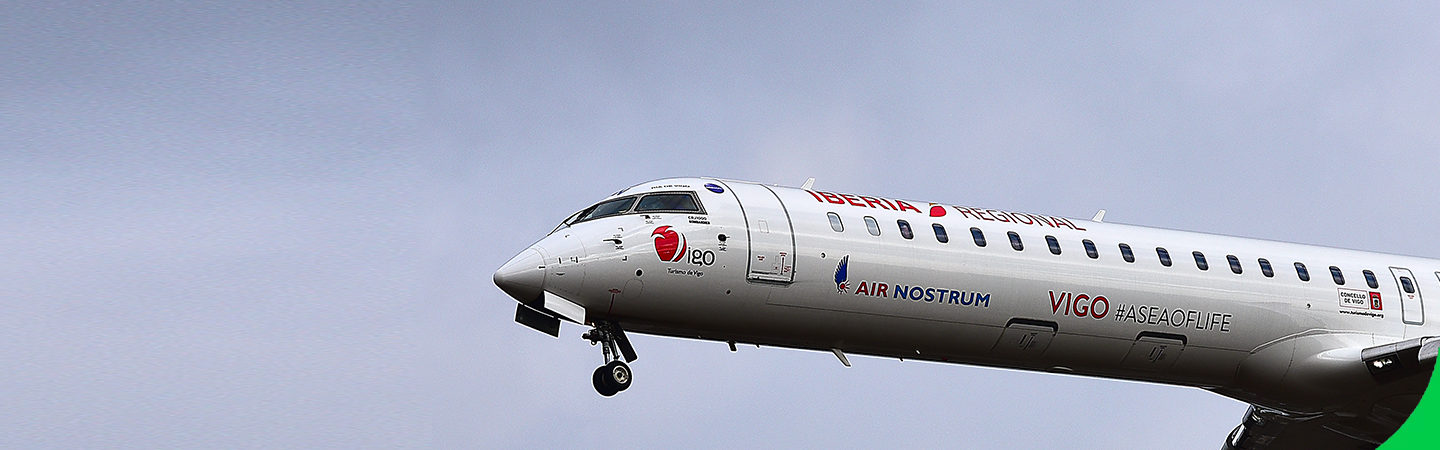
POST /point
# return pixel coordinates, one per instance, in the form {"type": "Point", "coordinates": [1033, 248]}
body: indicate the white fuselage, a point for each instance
{"type": "Point", "coordinates": [783, 275]}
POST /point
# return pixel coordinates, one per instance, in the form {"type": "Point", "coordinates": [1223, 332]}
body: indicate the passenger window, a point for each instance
{"type": "Point", "coordinates": [668, 202]}
{"type": "Point", "coordinates": [1090, 249]}
{"type": "Point", "coordinates": [872, 225]}
{"type": "Point", "coordinates": [835, 222]}
{"type": "Point", "coordinates": [1126, 253]}
{"type": "Point", "coordinates": [1408, 285]}
{"type": "Point", "coordinates": [940, 233]}
{"type": "Point", "coordinates": [1266, 269]}
{"type": "Point", "coordinates": [1164, 256]}
{"type": "Point", "coordinates": [1015, 241]}
{"type": "Point", "coordinates": [1339, 277]}
{"type": "Point", "coordinates": [1200, 261]}
{"type": "Point", "coordinates": [1234, 264]}
{"type": "Point", "coordinates": [905, 230]}
{"type": "Point", "coordinates": [1054, 244]}
{"type": "Point", "coordinates": [979, 236]}
{"type": "Point", "coordinates": [1302, 272]}
{"type": "Point", "coordinates": [1370, 279]}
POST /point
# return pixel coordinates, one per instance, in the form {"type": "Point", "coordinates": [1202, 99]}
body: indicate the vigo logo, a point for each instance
{"type": "Point", "coordinates": [1079, 305]}
{"type": "Point", "coordinates": [669, 244]}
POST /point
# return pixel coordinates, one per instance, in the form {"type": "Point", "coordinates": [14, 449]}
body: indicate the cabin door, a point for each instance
{"type": "Point", "coordinates": [772, 241]}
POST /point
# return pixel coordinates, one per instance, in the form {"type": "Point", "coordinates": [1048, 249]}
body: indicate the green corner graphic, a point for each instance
{"type": "Point", "coordinates": [1422, 430]}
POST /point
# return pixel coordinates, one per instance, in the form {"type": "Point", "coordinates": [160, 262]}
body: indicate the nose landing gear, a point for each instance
{"type": "Point", "coordinates": [615, 375]}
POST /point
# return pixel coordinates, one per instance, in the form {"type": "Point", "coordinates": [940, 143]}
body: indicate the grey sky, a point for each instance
{"type": "Point", "coordinates": [273, 224]}
{"type": "Point", "coordinates": [212, 226]}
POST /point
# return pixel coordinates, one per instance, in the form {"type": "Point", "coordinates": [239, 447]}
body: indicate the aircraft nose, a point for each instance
{"type": "Point", "coordinates": [523, 277]}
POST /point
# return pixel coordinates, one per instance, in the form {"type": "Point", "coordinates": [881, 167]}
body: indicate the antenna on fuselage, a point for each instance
{"type": "Point", "coordinates": [1099, 216]}
{"type": "Point", "coordinates": [809, 183]}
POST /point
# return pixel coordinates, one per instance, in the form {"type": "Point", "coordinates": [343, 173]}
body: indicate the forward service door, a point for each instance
{"type": "Point", "coordinates": [772, 242]}
{"type": "Point", "coordinates": [1412, 311]}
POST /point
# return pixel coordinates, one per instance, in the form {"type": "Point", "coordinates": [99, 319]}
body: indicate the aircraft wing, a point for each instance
{"type": "Point", "coordinates": [1263, 430]}
{"type": "Point", "coordinates": [1401, 372]}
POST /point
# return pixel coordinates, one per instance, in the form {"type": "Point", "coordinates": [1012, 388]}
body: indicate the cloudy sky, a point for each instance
{"type": "Point", "coordinates": [272, 225]}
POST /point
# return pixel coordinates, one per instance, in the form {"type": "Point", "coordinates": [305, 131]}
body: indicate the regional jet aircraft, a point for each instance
{"type": "Point", "coordinates": [1331, 348]}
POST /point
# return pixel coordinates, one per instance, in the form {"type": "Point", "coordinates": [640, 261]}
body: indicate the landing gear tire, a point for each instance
{"type": "Point", "coordinates": [617, 375]}
{"type": "Point", "coordinates": [601, 385]}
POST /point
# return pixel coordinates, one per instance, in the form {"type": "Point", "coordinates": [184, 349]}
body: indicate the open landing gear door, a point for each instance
{"type": "Point", "coordinates": [772, 242]}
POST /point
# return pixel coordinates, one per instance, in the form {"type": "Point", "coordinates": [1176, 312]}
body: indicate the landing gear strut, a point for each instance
{"type": "Point", "coordinates": [615, 375]}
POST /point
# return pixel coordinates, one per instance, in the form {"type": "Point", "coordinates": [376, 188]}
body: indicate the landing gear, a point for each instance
{"type": "Point", "coordinates": [615, 375]}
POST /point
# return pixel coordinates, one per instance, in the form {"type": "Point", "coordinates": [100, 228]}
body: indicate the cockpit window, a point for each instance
{"type": "Point", "coordinates": [567, 221]}
{"type": "Point", "coordinates": [606, 209]}
{"type": "Point", "coordinates": [667, 202]}
{"type": "Point", "coordinates": [659, 202]}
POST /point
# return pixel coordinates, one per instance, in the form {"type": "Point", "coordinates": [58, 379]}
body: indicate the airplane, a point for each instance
{"type": "Point", "coordinates": [1331, 348]}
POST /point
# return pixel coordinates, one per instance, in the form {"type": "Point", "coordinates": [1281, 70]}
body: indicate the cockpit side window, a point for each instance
{"type": "Point", "coordinates": [567, 221]}
{"type": "Point", "coordinates": [668, 202]}
{"type": "Point", "coordinates": [606, 209]}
